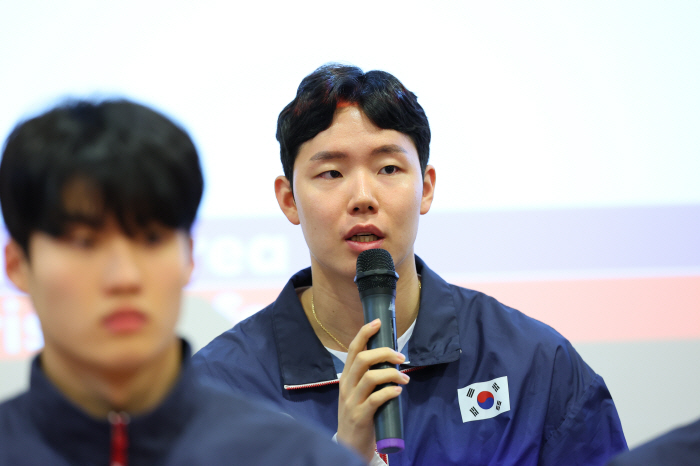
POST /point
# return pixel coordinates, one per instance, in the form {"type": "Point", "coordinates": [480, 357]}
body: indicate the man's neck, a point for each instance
{"type": "Point", "coordinates": [338, 307]}
{"type": "Point", "coordinates": [99, 391]}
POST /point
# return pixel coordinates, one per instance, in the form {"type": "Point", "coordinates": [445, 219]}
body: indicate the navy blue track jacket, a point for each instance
{"type": "Point", "coordinates": [489, 385]}
{"type": "Point", "coordinates": [197, 424]}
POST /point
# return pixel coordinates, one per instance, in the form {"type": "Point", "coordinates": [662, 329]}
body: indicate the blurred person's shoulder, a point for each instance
{"type": "Point", "coordinates": [679, 447]}
{"type": "Point", "coordinates": [21, 442]}
{"type": "Point", "coordinates": [228, 425]}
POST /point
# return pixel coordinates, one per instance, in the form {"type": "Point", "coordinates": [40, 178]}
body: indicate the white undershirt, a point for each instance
{"type": "Point", "coordinates": [400, 344]}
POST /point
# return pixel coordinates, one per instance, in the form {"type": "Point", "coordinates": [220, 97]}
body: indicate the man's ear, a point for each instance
{"type": "Point", "coordinates": [428, 189]}
{"type": "Point", "coordinates": [17, 265]}
{"type": "Point", "coordinates": [285, 199]}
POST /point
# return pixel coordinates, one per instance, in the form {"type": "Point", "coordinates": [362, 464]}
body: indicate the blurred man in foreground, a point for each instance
{"type": "Point", "coordinates": [99, 200]}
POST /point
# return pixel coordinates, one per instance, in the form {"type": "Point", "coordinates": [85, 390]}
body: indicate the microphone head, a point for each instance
{"type": "Point", "coordinates": [375, 269]}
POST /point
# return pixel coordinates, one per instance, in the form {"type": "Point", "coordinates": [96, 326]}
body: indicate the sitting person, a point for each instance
{"type": "Point", "coordinates": [99, 200]}
{"type": "Point", "coordinates": [488, 385]}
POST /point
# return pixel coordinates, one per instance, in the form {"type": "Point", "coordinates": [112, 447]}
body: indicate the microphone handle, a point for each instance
{"type": "Point", "coordinates": [388, 420]}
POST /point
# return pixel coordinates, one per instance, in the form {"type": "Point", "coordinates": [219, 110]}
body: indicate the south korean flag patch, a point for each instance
{"type": "Point", "coordinates": [484, 400]}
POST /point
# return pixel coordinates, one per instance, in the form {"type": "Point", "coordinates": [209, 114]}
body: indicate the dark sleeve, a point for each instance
{"type": "Point", "coordinates": [229, 429]}
{"type": "Point", "coordinates": [296, 444]}
{"type": "Point", "coordinates": [583, 427]}
{"type": "Point", "coordinates": [680, 447]}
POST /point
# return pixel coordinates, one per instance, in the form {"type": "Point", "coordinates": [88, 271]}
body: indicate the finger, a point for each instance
{"type": "Point", "coordinates": [363, 413]}
{"type": "Point", "coordinates": [369, 358]}
{"type": "Point", "coordinates": [359, 343]}
{"type": "Point", "coordinates": [374, 378]}
{"type": "Point", "coordinates": [380, 397]}
{"type": "Point", "coordinates": [353, 372]}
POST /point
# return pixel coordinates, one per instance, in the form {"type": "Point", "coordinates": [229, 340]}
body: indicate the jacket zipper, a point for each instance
{"type": "Point", "coordinates": [119, 447]}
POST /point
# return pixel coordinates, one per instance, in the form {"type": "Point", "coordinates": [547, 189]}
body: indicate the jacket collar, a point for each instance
{"type": "Point", "coordinates": [83, 439]}
{"type": "Point", "coordinates": [304, 361]}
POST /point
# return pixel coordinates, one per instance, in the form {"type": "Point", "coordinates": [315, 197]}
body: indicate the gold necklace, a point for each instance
{"type": "Point", "coordinates": [313, 311]}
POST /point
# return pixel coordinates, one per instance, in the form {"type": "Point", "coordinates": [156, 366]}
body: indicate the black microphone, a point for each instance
{"type": "Point", "coordinates": [376, 281]}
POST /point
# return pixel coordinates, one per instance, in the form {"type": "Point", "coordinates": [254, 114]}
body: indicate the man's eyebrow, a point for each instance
{"type": "Point", "coordinates": [327, 155]}
{"type": "Point", "coordinates": [389, 149]}
{"type": "Point", "coordinates": [333, 155]}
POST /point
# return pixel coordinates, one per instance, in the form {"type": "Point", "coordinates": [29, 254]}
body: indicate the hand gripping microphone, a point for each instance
{"type": "Point", "coordinates": [376, 282]}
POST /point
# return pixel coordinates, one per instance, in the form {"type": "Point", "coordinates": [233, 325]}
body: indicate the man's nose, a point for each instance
{"type": "Point", "coordinates": [363, 198]}
{"type": "Point", "coordinates": [122, 272]}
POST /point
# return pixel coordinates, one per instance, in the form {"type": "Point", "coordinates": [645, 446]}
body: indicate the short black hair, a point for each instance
{"type": "Point", "coordinates": [380, 96]}
{"type": "Point", "coordinates": [123, 158]}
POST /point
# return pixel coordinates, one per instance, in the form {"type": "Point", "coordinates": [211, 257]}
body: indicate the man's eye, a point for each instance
{"type": "Point", "coordinates": [389, 170]}
{"type": "Point", "coordinates": [82, 241]}
{"type": "Point", "coordinates": [330, 174]}
{"type": "Point", "coordinates": [153, 237]}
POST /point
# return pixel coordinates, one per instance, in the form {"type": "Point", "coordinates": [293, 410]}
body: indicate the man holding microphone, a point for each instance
{"type": "Point", "coordinates": [479, 383]}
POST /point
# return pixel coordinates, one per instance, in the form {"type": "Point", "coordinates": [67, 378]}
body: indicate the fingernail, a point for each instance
{"type": "Point", "coordinates": [398, 388]}
{"type": "Point", "coordinates": [375, 323]}
{"type": "Point", "coordinates": [400, 355]}
{"type": "Point", "coordinates": [405, 377]}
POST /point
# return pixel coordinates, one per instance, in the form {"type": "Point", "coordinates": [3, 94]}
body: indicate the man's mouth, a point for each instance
{"type": "Point", "coordinates": [364, 238]}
